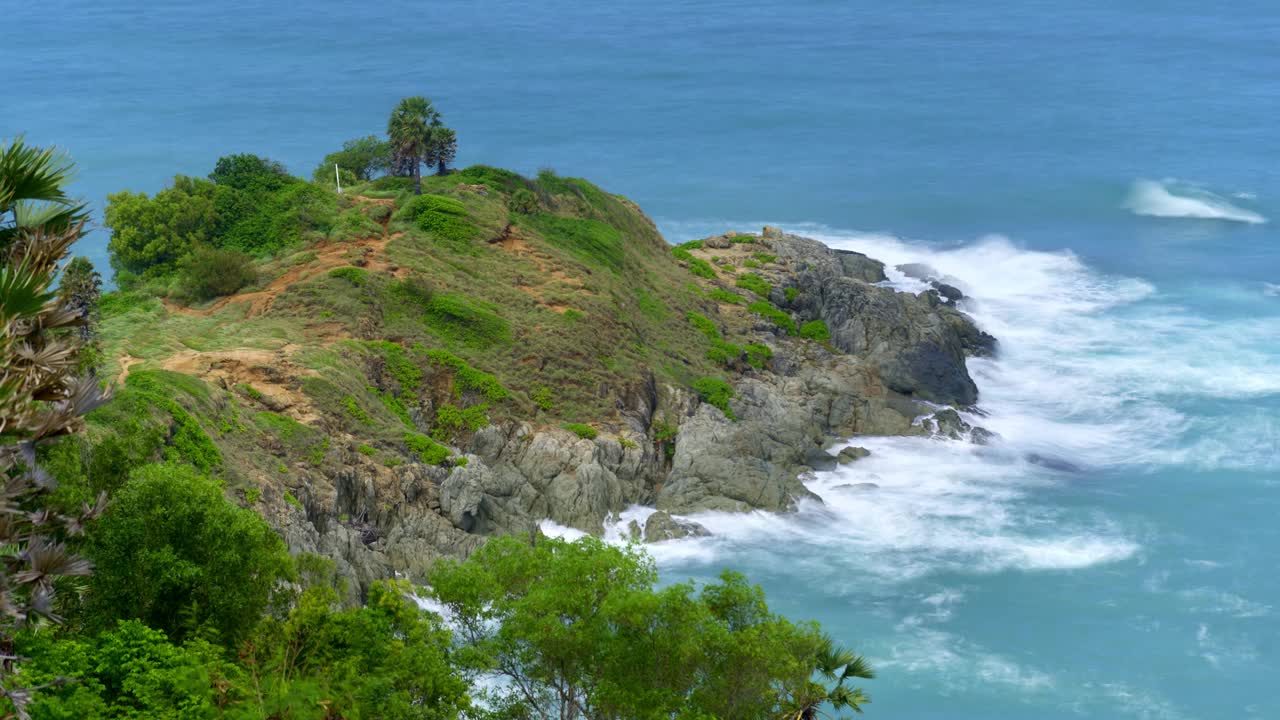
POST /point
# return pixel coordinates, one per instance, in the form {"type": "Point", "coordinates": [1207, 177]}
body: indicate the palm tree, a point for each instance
{"type": "Point", "coordinates": [444, 148]}
{"type": "Point", "coordinates": [834, 664]}
{"type": "Point", "coordinates": [42, 396]}
{"type": "Point", "coordinates": [410, 131]}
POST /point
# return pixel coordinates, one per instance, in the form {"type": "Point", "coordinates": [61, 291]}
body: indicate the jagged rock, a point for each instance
{"type": "Point", "coordinates": [770, 233]}
{"type": "Point", "coordinates": [918, 271]}
{"type": "Point", "coordinates": [819, 459]}
{"type": "Point", "coordinates": [950, 292]}
{"type": "Point", "coordinates": [949, 423]}
{"type": "Point", "coordinates": [661, 526]}
{"type": "Point", "coordinates": [860, 267]}
{"type": "Point", "coordinates": [981, 436]}
{"type": "Point", "coordinates": [718, 242]}
{"type": "Point", "coordinates": [852, 454]}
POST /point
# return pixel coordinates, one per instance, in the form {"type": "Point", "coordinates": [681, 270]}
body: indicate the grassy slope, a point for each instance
{"type": "Point", "coordinates": [383, 327]}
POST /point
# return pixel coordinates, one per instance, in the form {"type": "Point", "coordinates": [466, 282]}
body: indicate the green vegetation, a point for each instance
{"type": "Point", "coordinates": [717, 393]}
{"type": "Point", "coordinates": [791, 294]}
{"type": "Point", "coordinates": [366, 450]}
{"type": "Point", "coordinates": [443, 218]}
{"type": "Point", "coordinates": [586, 432]}
{"type": "Point", "coordinates": [758, 355]}
{"type": "Point", "coordinates": [697, 266]}
{"type": "Point", "coordinates": [590, 241]}
{"type": "Point", "coordinates": [426, 449]}
{"type": "Point", "coordinates": [776, 316]}
{"type": "Point", "coordinates": [212, 565]}
{"type": "Point", "coordinates": [815, 330]}
{"type": "Point", "coordinates": [417, 137]}
{"type": "Point", "coordinates": [584, 624]}
{"type": "Point", "coordinates": [451, 421]}
{"type": "Point", "coordinates": [543, 397]}
{"type": "Point", "coordinates": [725, 296]}
{"type": "Point", "coordinates": [754, 283]}
{"type": "Point", "coordinates": [461, 320]}
{"type": "Point", "coordinates": [359, 160]}
{"type": "Point", "coordinates": [467, 378]}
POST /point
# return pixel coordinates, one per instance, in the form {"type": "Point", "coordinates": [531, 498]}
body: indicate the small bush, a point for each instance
{"type": "Point", "coordinates": [758, 354]}
{"type": "Point", "coordinates": [691, 245]}
{"type": "Point", "coordinates": [354, 410]}
{"type": "Point", "coordinates": [450, 421]}
{"type": "Point", "coordinates": [586, 432]}
{"type": "Point", "coordinates": [717, 393]}
{"type": "Point", "coordinates": [751, 263]}
{"type": "Point", "coordinates": [742, 239]}
{"type": "Point", "coordinates": [765, 258]}
{"type": "Point", "coordinates": [289, 498]}
{"type": "Point", "coordinates": [723, 353]}
{"type": "Point", "coordinates": [252, 495]}
{"type": "Point", "coordinates": [754, 283]}
{"type": "Point", "coordinates": [775, 315]}
{"type": "Point", "coordinates": [210, 273]}
{"type": "Point", "coordinates": [627, 443]}
{"type": "Point", "coordinates": [726, 296]}
{"type": "Point", "coordinates": [354, 224]}
{"type": "Point", "coordinates": [466, 377]}
{"type": "Point", "coordinates": [366, 450]}
{"type": "Point", "coordinates": [543, 398]}
{"type": "Point", "coordinates": [426, 449]}
{"type": "Point", "coordinates": [792, 294]}
{"type": "Point", "coordinates": [704, 325]}
{"type": "Point", "coordinates": [523, 201]}
{"type": "Point", "coordinates": [444, 218]}
{"type": "Point", "coordinates": [354, 275]}
{"type": "Point", "coordinates": [815, 330]}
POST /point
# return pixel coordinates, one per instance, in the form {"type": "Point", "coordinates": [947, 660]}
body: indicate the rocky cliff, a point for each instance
{"type": "Point", "coordinates": [396, 399]}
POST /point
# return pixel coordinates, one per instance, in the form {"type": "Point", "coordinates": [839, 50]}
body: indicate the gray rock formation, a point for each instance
{"type": "Point", "coordinates": [661, 526]}
{"type": "Point", "coordinates": [852, 454]}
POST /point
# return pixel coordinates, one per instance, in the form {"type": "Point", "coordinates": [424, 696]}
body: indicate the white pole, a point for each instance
{"type": "Point", "coordinates": [337, 178]}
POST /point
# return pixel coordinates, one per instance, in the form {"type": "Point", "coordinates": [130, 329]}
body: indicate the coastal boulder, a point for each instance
{"type": "Point", "coordinates": [662, 526]}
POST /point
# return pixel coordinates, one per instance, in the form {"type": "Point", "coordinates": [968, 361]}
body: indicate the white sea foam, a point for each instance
{"type": "Point", "coordinates": [1173, 199]}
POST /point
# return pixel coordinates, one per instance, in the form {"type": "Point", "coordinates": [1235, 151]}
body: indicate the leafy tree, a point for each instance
{"type": "Point", "coordinates": [577, 630]}
{"type": "Point", "coordinates": [443, 150]}
{"type": "Point", "coordinates": [363, 158]}
{"type": "Point", "coordinates": [42, 397]}
{"type": "Point", "coordinates": [410, 131]}
{"type": "Point", "coordinates": [250, 172]}
{"type": "Point", "coordinates": [79, 289]}
{"type": "Point", "coordinates": [213, 272]}
{"type": "Point", "coordinates": [149, 235]}
{"type": "Point", "coordinates": [173, 552]}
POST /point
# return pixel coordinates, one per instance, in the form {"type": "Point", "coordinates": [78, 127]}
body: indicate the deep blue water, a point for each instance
{"type": "Point", "coordinates": [1143, 348]}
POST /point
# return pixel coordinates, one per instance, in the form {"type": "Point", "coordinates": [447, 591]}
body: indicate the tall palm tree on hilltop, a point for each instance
{"type": "Point", "coordinates": [410, 133]}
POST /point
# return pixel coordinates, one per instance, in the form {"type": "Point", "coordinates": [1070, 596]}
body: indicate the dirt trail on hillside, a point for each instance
{"type": "Point", "coordinates": [369, 253]}
{"type": "Point", "coordinates": [271, 375]}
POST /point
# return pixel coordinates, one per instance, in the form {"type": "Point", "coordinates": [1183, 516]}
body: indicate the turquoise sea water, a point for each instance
{"type": "Point", "coordinates": [1098, 176]}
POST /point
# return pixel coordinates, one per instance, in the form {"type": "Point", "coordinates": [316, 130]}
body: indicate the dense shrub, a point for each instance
{"type": "Point", "coordinates": [149, 235]}
{"type": "Point", "coordinates": [717, 393]}
{"type": "Point", "coordinates": [360, 159]}
{"type": "Point", "coordinates": [523, 201]}
{"type": "Point", "coordinates": [758, 355]}
{"type": "Point", "coordinates": [452, 421]}
{"type": "Point", "coordinates": [250, 172]}
{"type": "Point", "coordinates": [172, 552]}
{"type": "Point", "coordinates": [725, 296]}
{"type": "Point", "coordinates": [210, 273]}
{"type": "Point", "coordinates": [815, 330]}
{"type": "Point", "coordinates": [282, 218]}
{"type": "Point", "coordinates": [443, 218]}
{"type": "Point", "coordinates": [354, 275]}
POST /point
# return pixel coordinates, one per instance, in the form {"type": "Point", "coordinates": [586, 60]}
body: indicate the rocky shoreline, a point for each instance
{"type": "Point", "coordinates": [894, 364]}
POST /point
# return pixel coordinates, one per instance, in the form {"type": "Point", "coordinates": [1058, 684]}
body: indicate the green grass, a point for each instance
{"type": "Point", "coordinates": [815, 330]}
{"type": "Point", "coordinates": [444, 219]}
{"type": "Point", "coordinates": [358, 277]}
{"type": "Point", "coordinates": [754, 283]}
{"type": "Point", "coordinates": [774, 315]}
{"type": "Point", "coordinates": [427, 450]}
{"type": "Point", "coordinates": [717, 393]}
{"type": "Point", "coordinates": [697, 266]}
{"type": "Point", "coordinates": [452, 421]}
{"type": "Point", "coordinates": [758, 355]}
{"type": "Point", "coordinates": [466, 377]}
{"type": "Point", "coordinates": [791, 294]}
{"type": "Point", "coordinates": [725, 296]}
{"type": "Point", "coordinates": [590, 241]}
{"type": "Point", "coordinates": [586, 432]}
{"type": "Point", "coordinates": [463, 320]}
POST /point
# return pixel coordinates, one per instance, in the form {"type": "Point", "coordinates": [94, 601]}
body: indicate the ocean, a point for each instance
{"type": "Point", "coordinates": [1101, 178]}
